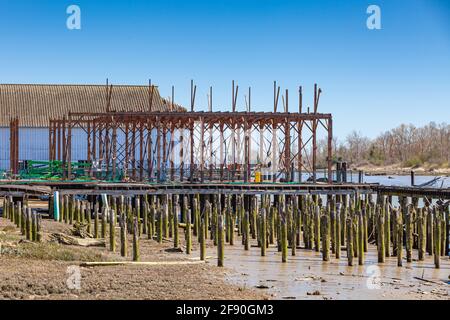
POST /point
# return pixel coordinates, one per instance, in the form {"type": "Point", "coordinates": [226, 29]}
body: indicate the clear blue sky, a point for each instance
{"type": "Point", "coordinates": [372, 80]}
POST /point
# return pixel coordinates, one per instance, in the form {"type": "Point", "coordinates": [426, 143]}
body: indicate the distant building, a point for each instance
{"type": "Point", "coordinates": [36, 104]}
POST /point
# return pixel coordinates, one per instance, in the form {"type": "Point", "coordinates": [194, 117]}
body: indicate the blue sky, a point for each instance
{"type": "Point", "coordinates": [372, 80]}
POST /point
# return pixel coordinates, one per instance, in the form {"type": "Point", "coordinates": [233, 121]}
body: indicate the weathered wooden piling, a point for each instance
{"type": "Point", "coordinates": [332, 213]}
{"type": "Point", "coordinates": [325, 236]}
{"type": "Point", "coordinates": [38, 228]}
{"type": "Point", "coordinates": [361, 239]}
{"type": "Point", "coordinates": [136, 249]}
{"type": "Point", "coordinates": [66, 209]}
{"type": "Point", "coordinates": [430, 231]}
{"type": "Point", "coordinates": [246, 235]}
{"type": "Point", "coordinates": [19, 215]}
{"type": "Point", "coordinates": [112, 230]}
{"type": "Point", "coordinates": [196, 215]}
{"type": "Point", "coordinates": [337, 233]}
{"type": "Point", "coordinates": [317, 228]}
{"type": "Point", "coordinates": [23, 226]}
{"type": "Point", "coordinates": [123, 235]}
{"type": "Point", "coordinates": [176, 240]}
{"type": "Point", "coordinates": [437, 237]}
{"type": "Point", "coordinates": [349, 229]}
{"type": "Point", "coordinates": [29, 227]}
{"type": "Point", "coordinates": [254, 214]}
{"type": "Point", "coordinates": [381, 234]}
{"type": "Point", "coordinates": [62, 208]}
{"type": "Point", "coordinates": [188, 232]}
{"type": "Point", "coordinates": [34, 226]}
{"type": "Point", "coordinates": [169, 216]}
{"type": "Point", "coordinates": [202, 231]}
{"type": "Point", "coordinates": [137, 205]}
{"type": "Point", "coordinates": [409, 233]}
{"type": "Point", "coordinates": [399, 221]}
{"type": "Point", "coordinates": [284, 240]}
{"type": "Point", "coordinates": [72, 211]}
{"type": "Point", "coordinates": [104, 222]}
{"type": "Point", "coordinates": [443, 231]}
{"type": "Point", "coordinates": [160, 224]}
{"type": "Point", "coordinates": [387, 227]}
{"type": "Point", "coordinates": [89, 218]}
{"type": "Point", "coordinates": [263, 233]}
{"type": "Point", "coordinates": [96, 221]}
{"type": "Point", "coordinates": [421, 222]}
{"type": "Point", "coordinates": [147, 212]}
{"type": "Point", "coordinates": [220, 241]}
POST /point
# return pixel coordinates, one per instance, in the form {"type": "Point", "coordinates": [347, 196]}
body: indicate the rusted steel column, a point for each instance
{"type": "Point", "coordinates": [100, 146]}
{"type": "Point", "coordinates": [141, 151]}
{"type": "Point", "coordinates": [172, 151]}
{"type": "Point", "coordinates": [276, 95]}
{"type": "Point", "coordinates": [233, 151]}
{"type": "Point", "coordinates": [114, 146]}
{"type": "Point", "coordinates": [158, 149]}
{"type": "Point", "coordinates": [202, 149]}
{"type": "Point", "coordinates": [69, 148]}
{"type": "Point", "coordinates": [50, 144]}
{"type": "Point", "coordinates": [127, 149]}
{"type": "Point", "coordinates": [261, 146]}
{"type": "Point", "coordinates": [246, 152]}
{"type": "Point", "coordinates": [211, 151]}
{"type": "Point", "coordinates": [211, 126]}
{"type": "Point", "coordinates": [164, 150]}
{"type": "Point", "coordinates": [191, 149]}
{"type": "Point", "coordinates": [149, 149]}
{"type": "Point", "coordinates": [17, 145]}
{"type": "Point", "coordinates": [59, 140]}
{"type": "Point", "coordinates": [94, 145]}
{"type": "Point", "coordinates": [221, 151]}
{"type": "Point", "coordinates": [287, 141]}
{"type": "Point", "coordinates": [330, 150]}
{"type": "Point", "coordinates": [64, 142]}
{"type": "Point", "coordinates": [88, 136]}
{"type": "Point", "coordinates": [191, 133]}
{"type": "Point", "coordinates": [107, 148]}
{"type": "Point", "coordinates": [54, 140]}
{"type": "Point", "coordinates": [133, 147]}
{"type": "Point", "coordinates": [274, 150]}
{"type": "Point", "coordinates": [181, 137]}
{"type": "Point", "coordinates": [300, 137]}
{"type": "Point", "coordinates": [287, 149]}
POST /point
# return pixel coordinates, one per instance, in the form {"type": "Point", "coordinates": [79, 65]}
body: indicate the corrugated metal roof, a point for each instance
{"type": "Point", "coordinates": [35, 104]}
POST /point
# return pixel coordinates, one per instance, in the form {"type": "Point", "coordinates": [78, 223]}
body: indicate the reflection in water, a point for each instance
{"type": "Point", "coordinates": [306, 276]}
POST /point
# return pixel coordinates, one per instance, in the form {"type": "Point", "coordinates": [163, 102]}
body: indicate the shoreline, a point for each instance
{"type": "Point", "coordinates": [387, 171]}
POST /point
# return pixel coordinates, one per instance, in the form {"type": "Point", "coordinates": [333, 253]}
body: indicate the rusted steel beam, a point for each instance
{"type": "Point", "coordinates": [234, 132]}
{"type": "Point", "coordinates": [330, 151]}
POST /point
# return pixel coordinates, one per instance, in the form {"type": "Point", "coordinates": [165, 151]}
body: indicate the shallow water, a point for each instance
{"type": "Point", "coordinates": [306, 273]}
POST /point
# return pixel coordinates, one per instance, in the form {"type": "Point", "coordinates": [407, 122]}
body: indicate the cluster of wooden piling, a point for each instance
{"type": "Point", "coordinates": [329, 225]}
{"type": "Point", "coordinates": [27, 220]}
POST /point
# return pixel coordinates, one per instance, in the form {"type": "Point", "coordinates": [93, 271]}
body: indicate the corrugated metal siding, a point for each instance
{"type": "Point", "coordinates": [36, 104]}
{"type": "Point", "coordinates": [33, 145]}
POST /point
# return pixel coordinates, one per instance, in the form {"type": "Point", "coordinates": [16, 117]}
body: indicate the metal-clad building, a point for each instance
{"type": "Point", "coordinates": [35, 104]}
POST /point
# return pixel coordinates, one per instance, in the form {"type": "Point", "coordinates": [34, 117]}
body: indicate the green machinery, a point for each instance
{"type": "Point", "coordinates": [52, 170]}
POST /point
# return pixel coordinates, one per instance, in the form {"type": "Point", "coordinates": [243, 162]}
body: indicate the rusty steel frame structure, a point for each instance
{"type": "Point", "coordinates": [14, 145]}
{"type": "Point", "coordinates": [197, 146]}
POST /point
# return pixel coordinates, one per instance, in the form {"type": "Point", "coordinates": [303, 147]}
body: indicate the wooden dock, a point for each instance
{"type": "Point", "coordinates": [39, 188]}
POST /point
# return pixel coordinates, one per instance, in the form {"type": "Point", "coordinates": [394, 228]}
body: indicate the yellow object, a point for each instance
{"type": "Point", "coordinates": [258, 176]}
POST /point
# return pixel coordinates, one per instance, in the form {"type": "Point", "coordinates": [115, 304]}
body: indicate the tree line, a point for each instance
{"type": "Point", "coordinates": [407, 145]}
